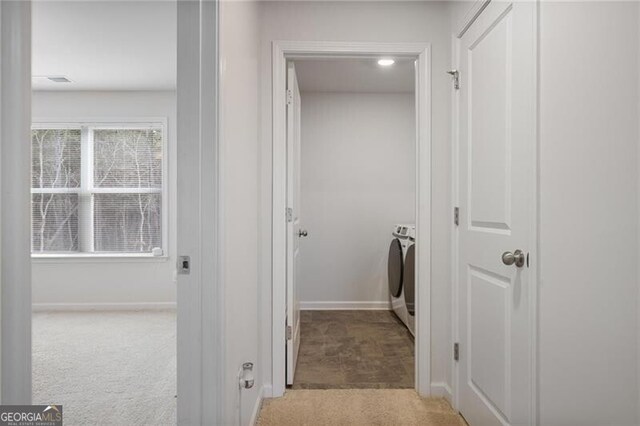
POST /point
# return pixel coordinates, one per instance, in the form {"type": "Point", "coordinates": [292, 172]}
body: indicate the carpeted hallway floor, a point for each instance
{"type": "Point", "coordinates": [119, 368]}
{"type": "Point", "coordinates": [106, 368]}
{"type": "Point", "coordinates": [357, 407]}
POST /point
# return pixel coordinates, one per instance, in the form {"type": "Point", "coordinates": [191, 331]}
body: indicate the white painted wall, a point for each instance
{"type": "Point", "coordinates": [239, 152]}
{"type": "Point", "coordinates": [588, 336]}
{"type": "Point", "coordinates": [145, 281]}
{"type": "Point", "coordinates": [375, 22]}
{"type": "Point", "coordinates": [357, 180]}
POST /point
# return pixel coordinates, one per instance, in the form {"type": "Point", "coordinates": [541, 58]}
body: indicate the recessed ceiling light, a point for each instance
{"type": "Point", "coordinates": [386, 62]}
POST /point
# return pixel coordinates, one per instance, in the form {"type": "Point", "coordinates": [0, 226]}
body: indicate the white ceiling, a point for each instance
{"type": "Point", "coordinates": [355, 75]}
{"type": "Point", "coordinates": [105, 45]}
{"type": "Point", "coordinates": [131, 45]}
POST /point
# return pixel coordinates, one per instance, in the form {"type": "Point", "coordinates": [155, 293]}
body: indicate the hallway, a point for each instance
{"type": "Point", "coordinates": [286, 212]}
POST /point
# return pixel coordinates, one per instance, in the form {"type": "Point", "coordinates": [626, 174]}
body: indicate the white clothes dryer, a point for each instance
{"type": "Point", "coordinates": [401, 274]}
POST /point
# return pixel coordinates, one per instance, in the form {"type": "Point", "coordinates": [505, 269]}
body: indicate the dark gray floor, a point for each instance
{"type": "Point", "coordinates": [354, 349]}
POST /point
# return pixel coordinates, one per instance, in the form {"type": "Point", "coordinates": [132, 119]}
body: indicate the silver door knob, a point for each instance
{"type": "Point", "coordinates": [302, 233]}
{"type": "Point", "coordinates": [517, 258]}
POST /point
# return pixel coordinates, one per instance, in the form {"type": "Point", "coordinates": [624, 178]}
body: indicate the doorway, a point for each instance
{"type": "Point", "coordinates": [195, 97]}
{"type": "Point", "coordinates": [288, 230]}
{"type": "Point", "coordinates": [353, 214]}
{"type": "Point", "coordinates": [104, 228]}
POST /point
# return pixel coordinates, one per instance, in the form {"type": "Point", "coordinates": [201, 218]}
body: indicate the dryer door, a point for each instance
{"type": "Point", "coordinates": [394, 268]}
{"type": "Point", "coordinates": [409, 280]}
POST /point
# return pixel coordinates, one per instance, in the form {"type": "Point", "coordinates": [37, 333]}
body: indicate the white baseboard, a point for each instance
{"type": "Point", "coordinates": [443, 390]}
{"type": "Point", "coordinates": [267, 391]}
{"type": "Point", "coordinates": [57, 307]}
{"type": "Point", "coordinates": [258, 405]}
{"type": "Point", "coordinates": [335, 306]}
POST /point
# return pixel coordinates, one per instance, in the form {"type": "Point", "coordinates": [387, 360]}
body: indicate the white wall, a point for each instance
{"type": "Point", "coordinates": [239, 153]}
{"type": "Point", "coordinates": [146, 281]}
{"type": "Point", "coordinates": [588, 335]}
{"type": "Point", "coordinates": [375, 22]}
{"type": "Point", "coordinates": [588, 177]}
{"type": "Point", "coordinates": [357, 180]}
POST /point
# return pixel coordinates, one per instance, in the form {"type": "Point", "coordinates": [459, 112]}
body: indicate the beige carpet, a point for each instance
{"type": "Point", "coordinates": [402, 407]}
{"type": "Point", "coordinates": [106, 368]}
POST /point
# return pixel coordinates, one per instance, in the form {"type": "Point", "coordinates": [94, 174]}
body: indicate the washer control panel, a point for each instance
{"type": "Point", "coordinates": [404, 231]}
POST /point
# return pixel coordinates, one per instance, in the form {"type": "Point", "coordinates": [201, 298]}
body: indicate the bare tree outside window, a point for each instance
{"type": "Point", "coordinates": [126, 158]}
{"type": "Point", "coordinates": [127, 222]}
{"type": "Point", "coordinates": [122, 189]}
{"type": "Point", "coordinates": [55, 171]}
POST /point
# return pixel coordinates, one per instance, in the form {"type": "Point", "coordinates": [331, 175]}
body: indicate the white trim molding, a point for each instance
{"type": "Point", "coordinates": [281, 52]}
{"type": "Point", "coordinates": [200, 298]}
{"type": "Point", "coordinates": [442, 390]}
{"type": "Point", "coordinates": [97, 258]}
{"type": "Point", "coordinates": [470, 17]}
{"type": "Point", "coordinates": [342, 306]}
{"type": "Point", "coordinates": [455, 51]}
{"type": "Point", "coordinates": [15, 210]}
{"type": "Point", "coordinates": [87, 188]}
{"type": "Point", "coordinates": [99, 307]}
{"type": "Point", "coordinates": [255, 413]}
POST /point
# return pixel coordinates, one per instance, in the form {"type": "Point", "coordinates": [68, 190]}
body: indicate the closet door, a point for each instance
{"type": "Point", "coordinates": [496, 147]}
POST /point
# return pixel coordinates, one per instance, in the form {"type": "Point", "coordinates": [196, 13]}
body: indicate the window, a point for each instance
{"type": "Point", "coordinates": [98, 189]}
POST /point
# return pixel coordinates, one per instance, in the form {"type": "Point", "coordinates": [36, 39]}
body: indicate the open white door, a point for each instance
{"type": "Point", "coordinates": [200, 290]}
{"type": "Point", "coordinates": [496, 182]}
{"type": "Point", "coordinates": [293, 220]}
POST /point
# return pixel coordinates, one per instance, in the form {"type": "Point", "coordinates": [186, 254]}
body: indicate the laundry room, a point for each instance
{"type": "Point", "coordinates": [356, 226]}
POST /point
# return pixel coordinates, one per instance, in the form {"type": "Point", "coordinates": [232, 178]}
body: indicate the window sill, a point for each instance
{"type": "Point", "coordinates": [97, 258]}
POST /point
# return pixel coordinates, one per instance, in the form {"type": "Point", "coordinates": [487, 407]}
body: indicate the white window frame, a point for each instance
{"type": "Point", "coordinates": [86, 124]}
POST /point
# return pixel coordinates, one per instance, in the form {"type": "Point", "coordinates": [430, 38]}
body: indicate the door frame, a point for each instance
{"type": "Point", "coordinates": [15, 214]}
{"type": "Point", "coordinates": [462, 26]}
{"type": "Point", "coordinates": [281, 52]}
{"type": "Point", "coordinates": [200, 297]}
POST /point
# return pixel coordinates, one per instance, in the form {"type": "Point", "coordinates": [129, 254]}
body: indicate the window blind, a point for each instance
{"type": "Point", "coordinates": [97, 189]}
{"type": "Point", "coordinates": [55, 178]}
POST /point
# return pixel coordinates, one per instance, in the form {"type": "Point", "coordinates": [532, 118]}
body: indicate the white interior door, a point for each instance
{"type": "Point", "coordinates": [294, 231]}
{"type": "Point", "coordinates": [496, 148]}
{"type": "Point", "coordinates": [200, 310]}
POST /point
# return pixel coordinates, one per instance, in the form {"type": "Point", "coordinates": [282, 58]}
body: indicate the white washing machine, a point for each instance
{"type": "Point", "coordinates": [401, 273]}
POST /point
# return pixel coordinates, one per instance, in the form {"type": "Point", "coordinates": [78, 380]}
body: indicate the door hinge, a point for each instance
{"type": "Point", "coordinates": [456, 216]}
{"type": "Point", "coordinates": [456, 78]}
{"type": "Point", "coordinates": [289, 214]}
{"type": "Point", "coordinates": [289, 97]}
{"type": "Point", "coordinates": [289, 333]}
{"type": "Point", "coordinates": [456, 351]}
